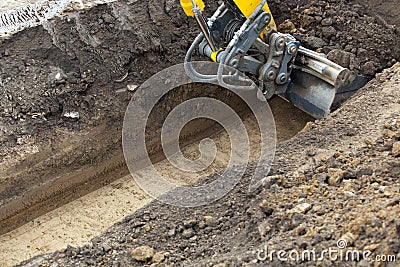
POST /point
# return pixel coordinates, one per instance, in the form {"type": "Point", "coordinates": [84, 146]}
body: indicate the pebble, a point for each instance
{"type": "Point", "coordinates": [371, 247]}
{"type": "Point", "coordinates": [398, 228]}
{"type": "Point", "coordinates": [287, 27]}
{"type": "Point", "coordinates": [396, 149]}
{"type": "Point", "coordinates": [74, 115]}
{"type": "Point", "coordinates": [302, 208]}
{"type": "Point", "coordinates": [158, 257]}
{"type": "Point", "coordinates": [171, 232]}
{"type": "Point", "coordinates": [143, 253]}
{"type": "Point", "coordinates": [107, 248]}
{"type": "Point", "coordinates": [188, 233]}
{"type": "Point", "coordinates": [335, 176]}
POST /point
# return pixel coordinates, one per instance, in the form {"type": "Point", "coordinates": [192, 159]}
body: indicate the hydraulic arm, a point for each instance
{"type": "Point", "coordinates": [242, 34]}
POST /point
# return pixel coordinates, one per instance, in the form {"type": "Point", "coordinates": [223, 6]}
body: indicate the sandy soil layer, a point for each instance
{"type": "Point", "coordinates": [73, 224]}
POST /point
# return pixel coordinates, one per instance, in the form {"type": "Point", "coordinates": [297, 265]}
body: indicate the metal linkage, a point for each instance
{"type": "Point", "coordinates": [318, 65]}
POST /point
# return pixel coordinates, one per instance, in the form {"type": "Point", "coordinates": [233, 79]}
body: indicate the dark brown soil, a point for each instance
{"type": "Point", "coordinates": [386, 12]}
{"type": "Point", "coordinates": [93, 49]}
{"type": "Point", "coordinates": [74, 64]}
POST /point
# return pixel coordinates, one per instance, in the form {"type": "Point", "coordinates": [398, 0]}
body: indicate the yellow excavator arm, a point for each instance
{"type": "Point", "coordinates": [247, 7]}
{"type": "Point", "coordinates": [242, 34]}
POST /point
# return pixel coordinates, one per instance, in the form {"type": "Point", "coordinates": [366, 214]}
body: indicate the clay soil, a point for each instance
{"type": "Point", "coordinates": [83, 62]}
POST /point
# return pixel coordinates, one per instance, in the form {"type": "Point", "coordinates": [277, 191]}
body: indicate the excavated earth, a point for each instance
{"type": "Point", "coordinates": [337, 178]}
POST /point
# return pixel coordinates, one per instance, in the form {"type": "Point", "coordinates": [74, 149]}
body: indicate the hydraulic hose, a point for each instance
{"type": "Point", "coordinates": [229, 53]}
{"type": "Point", "coordinates": [190, 71]}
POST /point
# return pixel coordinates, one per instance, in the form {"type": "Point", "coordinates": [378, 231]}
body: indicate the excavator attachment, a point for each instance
{"type": "Point", "coordinates": [318, 84]}
{"type": "Point", "coordinates": [317, 97]}
{"type": "Point", "coordinates": [242, 34]}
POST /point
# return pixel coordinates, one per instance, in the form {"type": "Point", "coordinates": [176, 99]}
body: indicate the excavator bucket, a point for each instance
{"type": "Point", "coordinates": [319, 85]}
{"type": "Point", "coordinates": [310, 94]}
{"type": "Point", "coordinates": [317, 97]}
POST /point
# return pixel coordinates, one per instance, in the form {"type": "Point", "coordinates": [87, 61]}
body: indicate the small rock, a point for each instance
{"type": "Point", "coordinates": [302, 208]}
{"type": "Point", "coordinates": [365, 171]}
{"type": "Point", "coordinates": [147, 228]}
{"type": "Point", "coordinates": [212, 222]}
{"type": "Point", "coordinates": [329, 32]}
{"type": "Point", "coordinates": [188, 233]}
{"type": "Point", "coordinates": [108, 18]}
{"type": "Point", "coordinates": [58, 76]}
{"type": "Point", "coordinates": [171, 232]}
{"type": "Point", "coordinates": [308, 127]}
{"type": "Point", "coordinates": [20, 141]}
{"type": "Point", "coordinates": [189, 223]}
{"type": "Point", "coordinates": [369, 68]}
{"type": "Point", "coordinates": [241, 225]}
{"type": "Point", "coordinates": [398, 228]}
{"type": "Point", "coordinates": [327, 22]}
{"type": "Point", "coordinates": [311, 153]}
{"type": "Point", "coordinates": [143, 253]}
{"type": "Point", "coordinates": [74, 115]}
{"type": "Point", "coordinates": [357, 227]}
{"type": "Point", "coordinates": [202, 225]}
{"type": "Point", "coordinates": [389, 134]}
{"type": "Point", "coordinates": [287, 27]}
{"type": "Point", "coordinates": [396, 149]}
{"type": "Point", "coordinates": [107, 248]}
{"type": "Point", "coordinates": [335, 176]}
{"type": "Point", "coordinates": [321, 177]}
{"type": "Point", "coordinates": [395, 171]}
{"type": "Point", "coordinates": [207, 217]}
{"type": "Point", "coordinates": [370, 142]}
{"type": "Point", "coordinates": [158, 257]}
{"type": "Point", "coordinates": [314, 42]}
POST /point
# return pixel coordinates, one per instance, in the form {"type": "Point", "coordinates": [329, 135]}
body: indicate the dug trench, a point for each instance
{"type": "Point", "coordinates": [66, 157]}
{"type": "Point", "coordinates": [50, 159]}
{"type": "Point", "coordinates": [75, 65]}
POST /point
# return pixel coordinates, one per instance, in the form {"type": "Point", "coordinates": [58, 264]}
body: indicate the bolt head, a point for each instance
{"type": "Point", "coordinates": [270, 75]}
{"type": "Point", "coordinates": [293, 49]}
